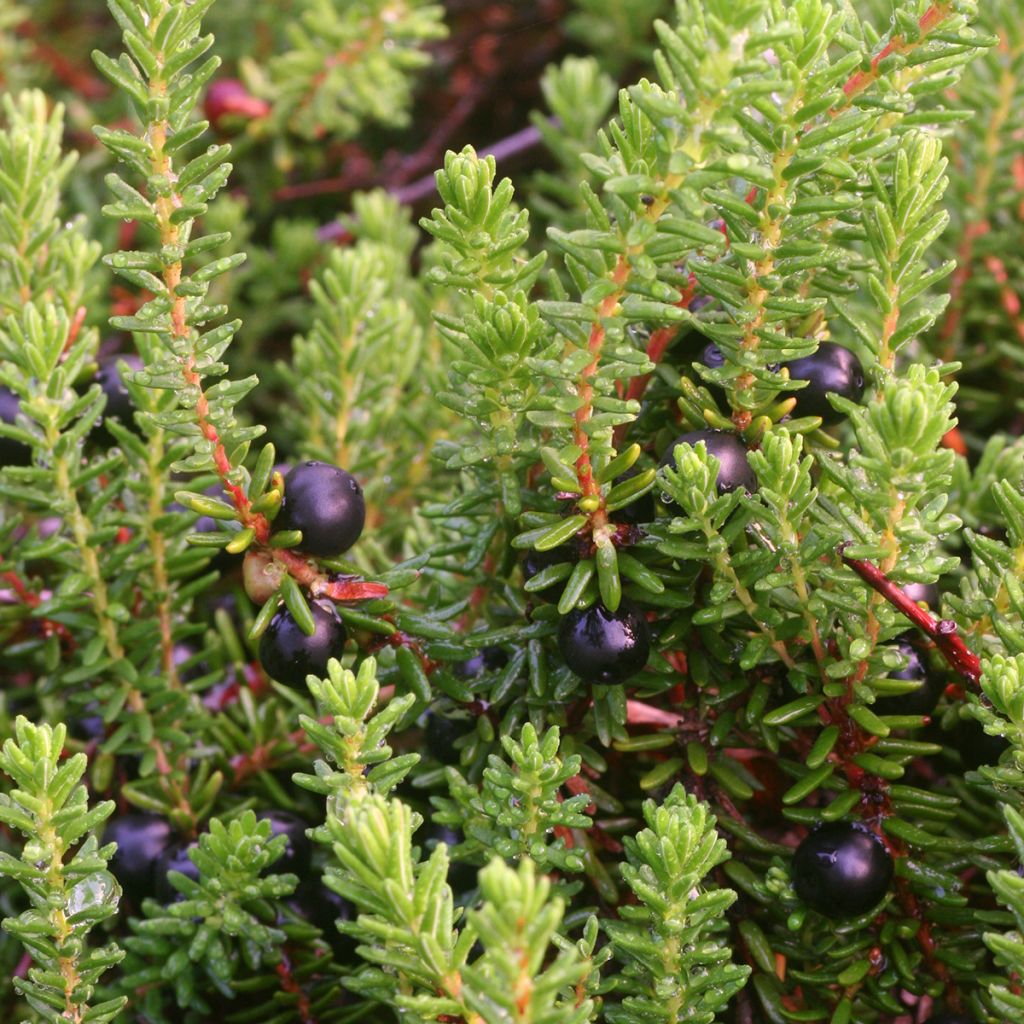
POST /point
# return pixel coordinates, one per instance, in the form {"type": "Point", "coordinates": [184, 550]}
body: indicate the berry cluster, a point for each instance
{"type": "Point", "coordinates": [831, 370]}
{"type": "Point", "coordinates": [841, 869]}
{"type": "Point", "coordinates": [325, 504]}
{"type": "Point", "coordinates": [147, 851]}
{"type": "Point", "coordinates": [604, 647]}
{"type": "Point", "coordinates": [118, 406]}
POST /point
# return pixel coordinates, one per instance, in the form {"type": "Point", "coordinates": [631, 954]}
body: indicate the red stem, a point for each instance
{"type": "Point", "coordinates": [942, 632]}
{"type": "Point", "coordinates": [289, 984]}
{"type": "Point", "coordinates": [930, 20]}
{"type": "Point", "coordinates": [658, 342]}
{"type": "Point", "coordinates": [27, 598]}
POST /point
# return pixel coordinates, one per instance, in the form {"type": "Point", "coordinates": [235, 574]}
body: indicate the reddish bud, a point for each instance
{"type": "Point", "coordinates": [229, 98]}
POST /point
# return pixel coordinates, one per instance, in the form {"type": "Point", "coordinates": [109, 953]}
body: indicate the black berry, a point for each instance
{"type": "Point", "coordinates": [440, 733]}
{"type": "Point", "coordinates": [174, 858]}
{"type": "Point", "coordinates": [326, 504]}
{"type": "Point", "coordinates": [141, 840]}
{"type": "Point", "coordinates": [536, 561]}
{"type": "Point", "coordinates": [487, 659]}
{"type": "Point", "coordinates": [12, 453]}
{"type": "Point", "coordinates": [949, 1018]}
{"type": "Point", "coordinates": [832, 368]}
{"type": "Point", "coordinates": [841, 869]}
{"type": "Point", "coordinates": [733, 469]}
{"type": "Point", "coordinates": [605, 647]}
{"type": "Point", "coordinates": [921, 701]}
{"type": "Point", "coordinates": [298, 853]}
{"type": "Point", "coordinates": [119, 403]}
{"type": "Point", "coordinates": [288, 655]}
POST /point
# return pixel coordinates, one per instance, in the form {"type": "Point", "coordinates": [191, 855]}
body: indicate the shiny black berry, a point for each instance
{"type": "Point", "coordinates": [326, 504]}
{"type": "Point", "coordinates": [842, 869]}
{"type": "Point", "coordinates": [12, 453]}
{"type": "Point", "coordinates": [487, 659]}
{"type": "Point", "coordinates": [605, 647]}
{"type": "Point", "coordinates": [288, 655]}
{"type": "Point", "coordinates": [733, 469]}
{"type": "Point", "coordinates": [141, 841]}
{"type": "Point", "coordinates": [921, 701]}
{"type": "Point", "coordinates": [440, 733]}
{"type": "Point", "coordinates": [832, 368]}
{"type": "Point", "coordinates": [298, 853]}
{"type": "Point", "coordinates": [535, 562]}
{"type": "Point", "coordinates": [119, 403]}
{"type": "Point", "coordinates": [174, 858]}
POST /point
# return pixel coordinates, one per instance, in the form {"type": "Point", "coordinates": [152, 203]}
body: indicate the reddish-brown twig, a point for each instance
{"type": "Point", "coordinates": [421, 188]}
{"type": "Point", "coordinates": [289, 984]}
{"type": "Point", "coordinates": [585, 389]}
{"type": "Point", "coordinates": [74, 327]}
{"type": "Point", "coordinates": [942, 632]}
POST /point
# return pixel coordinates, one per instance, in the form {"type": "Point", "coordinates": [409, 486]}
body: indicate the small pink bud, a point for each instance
{"type": "Point", "coordinates": [228, 97]}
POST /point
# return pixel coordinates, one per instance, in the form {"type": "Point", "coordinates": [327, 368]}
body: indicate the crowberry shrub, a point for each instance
{"type": "Point", "coordinates": [580, 584]}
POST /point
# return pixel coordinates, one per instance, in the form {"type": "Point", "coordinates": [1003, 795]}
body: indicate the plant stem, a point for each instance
{"type": "Point", "coordinates": [81, 531]}
{"type": "Point", "coordinates": [943, 632]}
{"type": "Point", "coordinates": [859, 81]}
{"type": "Point", "coordinates": [512, 145]}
